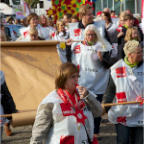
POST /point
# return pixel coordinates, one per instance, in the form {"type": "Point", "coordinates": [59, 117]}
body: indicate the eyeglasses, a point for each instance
{"type": "Point", "coordinates": [91, 35]}
{"type": "Point", "coordinates": [34, 19]}
{"type": "Point", "coordinates": [75, 76]}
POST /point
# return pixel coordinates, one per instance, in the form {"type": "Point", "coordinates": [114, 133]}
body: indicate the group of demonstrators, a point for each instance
{"type": "Point", "coordinates": [99, 56]}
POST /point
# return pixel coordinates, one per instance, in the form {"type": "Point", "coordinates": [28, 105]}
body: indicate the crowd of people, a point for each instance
{"type": "Point", "coordinates": [100, 56]}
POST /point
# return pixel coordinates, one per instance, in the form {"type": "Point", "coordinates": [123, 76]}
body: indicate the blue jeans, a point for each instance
{"type": "Point", "coordinates": [129, 134]}
{"type": "Point", "coordinates": [97, 120]}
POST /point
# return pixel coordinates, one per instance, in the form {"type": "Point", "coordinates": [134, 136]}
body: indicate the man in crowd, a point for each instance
{"type": "Point", "coordinates": [136, 22]}
{"type": "Point", "coordinates": [86, 15]}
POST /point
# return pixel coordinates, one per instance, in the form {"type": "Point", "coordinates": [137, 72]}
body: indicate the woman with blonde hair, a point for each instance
{"type": "Point", "coordinates": [65, 116]}
{"type": "Point", "coordinates": [61, 35]}
{"type": "Point", "coordinates": [93, 60]}
{"type": "Point", "coordinates": [43, 21]}
{"type": "Point", "coordinates": [132, 34]}
{"type": "Point", "coordinates": [127, 85]}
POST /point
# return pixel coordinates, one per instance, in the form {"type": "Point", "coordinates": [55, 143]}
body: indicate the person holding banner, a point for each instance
{"type": "Point", "coordinates": [126, 85]}
{"type": "Point", "coordinates": [7, 105]}
{"type": "Point", "coordinates": [61, 35]}
{"type": "Point", "coordinates": [66, 114]}
{"type": "Point", "coordinates": [93, 60]}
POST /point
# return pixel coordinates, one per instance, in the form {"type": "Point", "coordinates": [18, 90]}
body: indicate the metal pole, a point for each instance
{"type": "Point", "coordinates": [113, 4]}
{"type": "Point", "coordinates": [102, 4]}
{"type": "Point", "coordinates": [135, 6]}
{"type": "Point", "coordinates": [124, 3]}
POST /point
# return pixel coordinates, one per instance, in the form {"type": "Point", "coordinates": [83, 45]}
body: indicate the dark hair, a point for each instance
{"type": "Point", "coordinates": [1, 25]}
{"type": "Point", "coordinates": [112, 11]}
{"type": "Point", "coordinates": [75, 17]}
{"type": "Point", "coordinates": [128, 16]}
{"type": "Point", "coordinates": [108, 16]}
{"type": "Point", "coordinates": [68, 15]}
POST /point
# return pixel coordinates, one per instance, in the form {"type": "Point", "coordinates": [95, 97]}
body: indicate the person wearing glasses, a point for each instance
{"type": "Point", "coordinates": [66, 114]}
{"type": "Point", "coordinates": [126, 85]}
{"type": "Point", "coordinates": [92, 56]}
{"type": "Point", "coordinates": [32, 20]}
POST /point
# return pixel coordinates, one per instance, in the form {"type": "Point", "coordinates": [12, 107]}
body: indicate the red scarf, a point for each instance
{"type": "Point", "coordinates": [76, 105]}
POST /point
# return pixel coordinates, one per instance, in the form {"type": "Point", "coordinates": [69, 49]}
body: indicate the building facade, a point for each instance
{"type": "Point", "coordinates": [118, 5]}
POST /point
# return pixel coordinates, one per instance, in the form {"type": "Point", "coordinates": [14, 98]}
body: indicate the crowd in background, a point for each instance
{"type": "Point", "coordinates": [119, 31]}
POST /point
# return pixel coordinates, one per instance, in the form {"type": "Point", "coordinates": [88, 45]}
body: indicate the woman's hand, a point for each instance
{"type": "Point", "coordinates": [99, 54]}
{"type": "Point", "coordinates": [82, 91]}
{"type": "Point", "coordinates": [120, 34]}
{"type": "Point", "coordinates": [69, 42]}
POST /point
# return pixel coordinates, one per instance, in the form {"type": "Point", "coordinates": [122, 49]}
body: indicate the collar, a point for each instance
{"type": "Point", "coordinates": [126, 26]}
{"type": "Point", "coordinates": [81, 26]}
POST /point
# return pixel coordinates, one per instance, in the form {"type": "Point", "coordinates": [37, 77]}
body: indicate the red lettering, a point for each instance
{"type": "Point", "coordinates": [120, 72]}
{"type": "Point", "coordinates": [77, 32]}
{"type": "Point", "coordinates": [121, 97]}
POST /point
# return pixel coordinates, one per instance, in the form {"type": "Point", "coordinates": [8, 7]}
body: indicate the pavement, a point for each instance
{"type": "Point", "coordinates": [22, 135]}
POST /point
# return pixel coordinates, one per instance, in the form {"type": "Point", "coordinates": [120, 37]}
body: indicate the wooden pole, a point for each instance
{"type": "Point", "coordinates": [124, 103]}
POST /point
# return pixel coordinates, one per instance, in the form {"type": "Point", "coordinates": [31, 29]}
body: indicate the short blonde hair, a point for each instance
{"type": "Point", "coordinates": [33, 31]}
{"type": "Point", "coordinates": [128, 35]}
{"type": "Point", "coordinates": [3, 36]}
{"type": "Point", "coordinates": [92, 27]}
{"type": "Point", "coordinates": [83, 9]}
{"type": "Point", "coordinates": [63, 72]}
{"type": "Point", "coordinates": [130, 47]}
{"type": "Point", "coordinates": [122, 14]}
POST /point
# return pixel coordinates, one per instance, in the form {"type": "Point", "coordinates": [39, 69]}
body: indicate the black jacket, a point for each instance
{"type": "Point", "coordinates": [7, 100]}
{"type": "Point", "coordinates": [111, 90]}
{"type": "Point", "coordinates": [121, 41]}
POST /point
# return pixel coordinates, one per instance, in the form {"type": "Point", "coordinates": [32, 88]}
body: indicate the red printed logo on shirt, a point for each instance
{"type": "Point", "coordinates": [66, 139]}
{"type": "Point", "coordinates": [121, 120]}
{"type": "Point", "coordinates": [53, 34]}
{"type": "Point", "coordinates": [25, 34]}
{"type": "Point", "coordinates": [66, 109]}
{"type": "Point", "coordinates": [77, 32]}
{"type": "Point", "coordinates": [121, 97]}
{"type": "Point", "coordinates": [77, 49]}
{"type": "Point", "coordinates": [120, 72]}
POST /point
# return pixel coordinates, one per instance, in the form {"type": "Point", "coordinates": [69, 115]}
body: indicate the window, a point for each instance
{"type": "Point", "coordinates": [41, 3]}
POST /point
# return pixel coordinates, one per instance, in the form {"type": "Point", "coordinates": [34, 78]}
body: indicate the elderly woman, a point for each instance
{"type": "Point", "coordinates": [126, 84]}
{"type": "Point", "coordinates": [66, 114]}
{"type": "Point", "coordinates": [61, 35]}
{"type": "Point", "coordinates": [93, 60]}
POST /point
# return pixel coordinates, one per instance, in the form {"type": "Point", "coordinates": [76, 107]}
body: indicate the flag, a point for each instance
{"type": "Point", "coordinates": [60, 7]}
